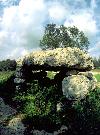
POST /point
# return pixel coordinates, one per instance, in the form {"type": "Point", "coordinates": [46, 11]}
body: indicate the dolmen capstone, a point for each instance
{"type": "Point", "coordinates": [72, 65]}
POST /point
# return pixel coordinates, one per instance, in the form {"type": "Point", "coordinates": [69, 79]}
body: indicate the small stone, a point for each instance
{"type": "Point", "coordinates": [59, 106]}
{"type": "Point", "coordinates": [64, 128]}
{"type": "Point", "coordinates": [19, 80]}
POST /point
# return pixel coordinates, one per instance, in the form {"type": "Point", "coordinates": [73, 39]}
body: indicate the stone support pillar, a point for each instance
{"type": "Point", "coordinates": [20, 79]}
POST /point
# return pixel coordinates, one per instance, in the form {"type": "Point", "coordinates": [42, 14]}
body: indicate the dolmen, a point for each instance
{"type": "Point", "coordinates": [73, 67]}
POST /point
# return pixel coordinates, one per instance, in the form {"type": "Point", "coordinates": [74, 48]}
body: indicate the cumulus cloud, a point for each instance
{"type": "Point", "coordinates": [22, 24]}
{"type": "Point", "coordinates": [84, 21]}
{"type": "Point", "coordinates": [57, 13]}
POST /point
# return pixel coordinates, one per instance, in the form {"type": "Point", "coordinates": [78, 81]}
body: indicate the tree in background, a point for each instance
{"type": "Point", "coordinates": [8, 65]}
{"type": "Point", "coordinates": [55, 37]}
{"type": "Point", "coordinates": [96, 62]}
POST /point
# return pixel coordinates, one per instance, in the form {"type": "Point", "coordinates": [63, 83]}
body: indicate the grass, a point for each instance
{"type": "Point", "coordinates": [96, 71]}
{"type": "Point", "coordinates": [4, 76]}
{"type": "Point", "coordinates": [51, 74]}
{"type": "Point", "coordinates": [97, 76]}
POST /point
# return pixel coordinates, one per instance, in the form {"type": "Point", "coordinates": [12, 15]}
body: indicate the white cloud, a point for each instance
{"type": "Point", "coordinates": [57, 12]}
{"type": "Point", "coordinates": [18, 52]}
{"type": "Point", "coordinates": [22, 26]}
{"type": "Point", "coordinates": [84, 21]}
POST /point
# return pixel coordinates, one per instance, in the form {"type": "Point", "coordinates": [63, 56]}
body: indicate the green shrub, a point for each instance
{"type": "Point", "coordinates": [40, 105]}
{"type": "Point", "coordinates": [37, 101]}
{"type": "Point", "coordinates": [88, 111]}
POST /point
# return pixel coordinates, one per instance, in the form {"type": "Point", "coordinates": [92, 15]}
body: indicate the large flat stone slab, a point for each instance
{"type": "Point", "coordinates": [73, 58]}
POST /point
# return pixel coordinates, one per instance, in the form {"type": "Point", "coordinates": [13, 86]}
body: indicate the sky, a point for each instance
{"type": "Point", "coordinates": [22, 23]}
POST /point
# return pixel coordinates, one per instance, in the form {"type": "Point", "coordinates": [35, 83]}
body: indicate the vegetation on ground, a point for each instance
{"type": "Point", "coordinates": [5, 76]}
{"type": "Point", "coordinates": [97, 76]}
{"type": "Point", "coordinates": [39, 104]}
{"type": "Point", "coordinates": [51, 74]}
{"type": "Point", "coordinates": [88, 113]}
{"type": "Point", "coordinates": [96, 70]}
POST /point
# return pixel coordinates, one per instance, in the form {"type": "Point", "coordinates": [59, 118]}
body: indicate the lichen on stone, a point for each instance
{"type": "Point", "coordinates": [68, 57]}
{"type": "Point", "coordinates": [77, 86]}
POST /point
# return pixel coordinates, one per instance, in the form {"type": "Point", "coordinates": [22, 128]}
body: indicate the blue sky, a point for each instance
{"type": "Point", "coordinates": [22, 23]}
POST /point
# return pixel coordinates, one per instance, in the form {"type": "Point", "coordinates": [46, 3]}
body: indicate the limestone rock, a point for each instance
{"type": "Point", "coordinates": [77, 86]}
{"type": "Point", "coordinates": [18, 80]}
{"type": "Point", "coordinates": [72, 72]}
{"type": "Point", "coordinates": [61, 131]}
{"type": "Point", "coordinates": [59, 106]}
{"type": "Point", "coordinates": [14, 127]}
{"type": "Point", "coordinates": [67, 57]}
{"type": "Point", "coordinates": [87, 74]}
{"type": "Point", "coordinates": [43, 132]}
{"type": "Point", "coordinates": [5, 111]}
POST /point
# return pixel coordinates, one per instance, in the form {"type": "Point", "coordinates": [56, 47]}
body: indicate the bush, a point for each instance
{"type": "Point", "coordinates": [40, 103]}
{"type": "Point", "coordinates": [88, 112]}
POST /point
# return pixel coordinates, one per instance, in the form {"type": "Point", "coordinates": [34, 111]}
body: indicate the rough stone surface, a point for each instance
{"type": "Point", "coordinates": [77, 86]}
{"type": "Point", "coordinates": [14, 127]}
{"type": "Point", "coordinates": [5, 111]}
{"type": "Point", "coordinates": [62, 131]}
{"type": "Point", "coordinates": [43, 132]}
{"type": "Point", "coordinates": [67, 57]}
